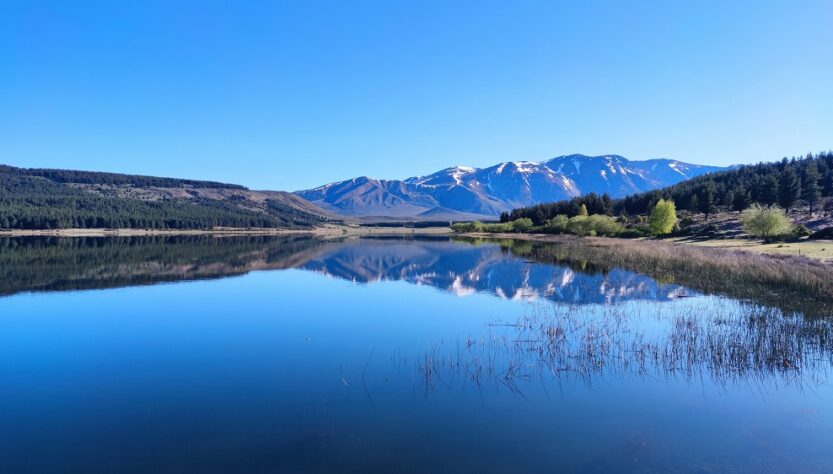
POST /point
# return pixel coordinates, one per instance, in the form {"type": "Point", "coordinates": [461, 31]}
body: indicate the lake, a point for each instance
{"type": "Point", "coordinates": [293, 354]}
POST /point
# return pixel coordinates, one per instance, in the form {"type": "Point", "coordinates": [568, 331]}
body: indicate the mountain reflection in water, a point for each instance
{"type": "Point", "coordinates": [52, 264]}
{"type": "Point", "coordinates": [464, 269]}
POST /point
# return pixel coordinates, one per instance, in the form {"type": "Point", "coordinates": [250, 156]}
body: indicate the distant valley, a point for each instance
{"type": "Point", "coordinates": [464, 192]}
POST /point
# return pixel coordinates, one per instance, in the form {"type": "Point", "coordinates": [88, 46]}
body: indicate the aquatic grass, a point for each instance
{"type": "Point", "coordinates": [745, 346]}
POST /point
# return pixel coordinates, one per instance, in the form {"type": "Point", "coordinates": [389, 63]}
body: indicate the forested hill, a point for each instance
{"type": "Point", "coordinates": [115, 179]}
{"type": "Point", "coordinates": [788, 183]}
{"type": "Point", "coordinates": [55, 199]}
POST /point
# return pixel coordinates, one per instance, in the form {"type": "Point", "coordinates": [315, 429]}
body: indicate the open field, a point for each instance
{"type": "Point", "coordinates": [816, 249]}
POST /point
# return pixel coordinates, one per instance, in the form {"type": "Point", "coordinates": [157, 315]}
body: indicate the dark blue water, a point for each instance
{"type": "Point", "coordinates": [392, 356]}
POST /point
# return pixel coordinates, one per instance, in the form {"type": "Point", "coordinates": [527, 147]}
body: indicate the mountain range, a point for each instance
{"type": "Point", "coordinates": [57, 199]}
{"type": "Point", "coordinates": [462, 192]}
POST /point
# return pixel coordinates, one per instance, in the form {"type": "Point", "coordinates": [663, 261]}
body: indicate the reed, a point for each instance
{"type": "Point", "coordinates": [743, 346]}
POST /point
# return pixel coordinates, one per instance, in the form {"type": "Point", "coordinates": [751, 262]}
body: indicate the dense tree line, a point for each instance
{"type": "Point", "coordinates": [114, 179]}
{"type": "Point", "coordinates": [37, 202]}
{"type": "Point", "coordinates": [589, 204]}
{"type": "Point", "coordinates": [786, 183]}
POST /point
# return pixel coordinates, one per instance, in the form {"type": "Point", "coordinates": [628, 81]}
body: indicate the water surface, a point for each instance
{"type": "Point", "coordinates": [387, 355]}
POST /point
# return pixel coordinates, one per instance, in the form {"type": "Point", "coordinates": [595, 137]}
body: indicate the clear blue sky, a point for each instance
{"type": "Point", "coordinates": [293, 94]}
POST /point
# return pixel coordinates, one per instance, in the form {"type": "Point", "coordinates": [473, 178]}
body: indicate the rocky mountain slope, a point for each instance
{"type": "Point", "coordinates": [465, 192]}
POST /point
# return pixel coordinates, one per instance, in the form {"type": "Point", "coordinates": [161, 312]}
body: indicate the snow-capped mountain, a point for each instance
{"type": "Point", "coordinates": [618, 176]}
{"type": "Point", "coordinates": [466, 192]}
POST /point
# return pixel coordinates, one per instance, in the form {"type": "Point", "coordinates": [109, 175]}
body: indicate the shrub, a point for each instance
{"type": "Point", "coordinates": [524, 224]}
{"type": "Point", "coordinates": [826, 233]}
{"type": "Point", "coordinates": [765, 222]}
{"type": "Point", "coordinates": [556, 225]}
{"type": "Point", "coordinates": [464, 227]}
{"type": "Point", "coordinates": [593, 225]}
{"type": "Point", "coordinates": [663, 217]}
{"type": "Point", "coordinates": [578, 225]}
{"type": "Point", "coordinates": [604, 225]}
{"type": "Point", "coordinates": [498, 227]}
{"type": "Point", "coordinates": [519, 225]}
{"type": "Point", "coordinates": [799, 231]}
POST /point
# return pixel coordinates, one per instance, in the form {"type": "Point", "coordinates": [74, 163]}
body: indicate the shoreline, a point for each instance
{"type": "Point", "coordinates": [819, 250]}
{"type": "Point", "coordinates": [326, 231]}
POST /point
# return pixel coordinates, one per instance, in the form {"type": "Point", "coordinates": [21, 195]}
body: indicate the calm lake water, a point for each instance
{"type": "Point", "coordinates": [385, 355]}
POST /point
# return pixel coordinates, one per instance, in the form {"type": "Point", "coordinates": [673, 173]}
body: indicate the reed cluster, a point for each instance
{"type": "Point", "coordinates": [744, 346]}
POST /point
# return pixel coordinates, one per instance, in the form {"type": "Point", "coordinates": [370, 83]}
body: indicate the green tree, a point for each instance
{"type": "Point", "coordinates": [827, 180]}
{"type": "Point", "coordinates": [810, 191]}
{"type": "Point", "coordinates": [740, 199]}
{"type": "Point", "coordinates": [539, 218]}
{"type": "Point", "coordinates": [825, 176]}
{"type": "Point", "coordinates": [765, 222]}
{"type": "Point", "coordinates": [789, 188]}
{"type": "Point", "coordinates": [582, 211]}
{"type": "Point", "coordinates": [706, 199]}
{"type": "Point", "coordinates": [768, 190]}
{"type": "Point", "coordinates": [663, 217]}
{"type": "Point", "coordinates": [693, 204]}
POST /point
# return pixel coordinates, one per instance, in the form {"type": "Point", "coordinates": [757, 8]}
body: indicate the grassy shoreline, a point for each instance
{"type": "Point", "coordinates": [821, 250]}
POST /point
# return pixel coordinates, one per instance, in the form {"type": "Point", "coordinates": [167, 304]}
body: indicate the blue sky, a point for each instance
{"type": "Point", "coordinates": [293, 94]}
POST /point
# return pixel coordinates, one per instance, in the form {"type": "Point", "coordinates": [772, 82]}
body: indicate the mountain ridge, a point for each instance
{"type": "Point", "coordinates": [468, 192]}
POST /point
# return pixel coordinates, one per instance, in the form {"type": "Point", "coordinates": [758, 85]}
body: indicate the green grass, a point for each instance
{"type": "Point", "coordinates": [821, 250]}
